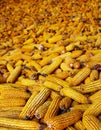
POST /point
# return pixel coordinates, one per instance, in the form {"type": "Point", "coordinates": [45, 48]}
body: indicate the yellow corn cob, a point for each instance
{"type": "Point", "coordinates": [10, 112]}
{"type": "Point", "coordinates": [94, 75]}
{"type": "Point", "coordinates": [36, 56]}
{"type": "Point", "coordinates": [91, 87]}
{"type": "Point", "coordinates": [79, 125]}
{"type": "Point", "coordinates": [70, 128]}
{"type": "Point", "coordinates": [50, 68]}
{"type": "Point", "coordinates": [54, 94]}
{"type": "Point", "coordinates": [55, 38]}
{"type": "Point", "coordinates": [96, 57]}
{"type": "Point", "coordinates": [87, 80]}
{"type": "Point", "coordinates": [94, 109]}
{"type": "Point", "coordinates": [20, 124]}
{"type": "Point", "coordinates": [40, 112]}
{"type": "Point", "coordinates": [65, 103]}
{"type": "Point", "coordinates": [95, 96]}
{"type": "Point", "coordinates": [80, 76]}
{"type": "Point", "coordinates": [70, 47]}
{"type": "Point", "coordinates": [27, 48]}
{"type": "Point", "coordinates": [35, 65]}
{"type": "Point", "coordinates": [14, 75]}
{"type": "Point", "coordinates": [13, 93]}
{"type": "Point", "coordinates": [64, 67]}
{"type": "Point", "coordinates": [81, 107]}
{"type": "Point", "coordinates": [75, 95]}
{"type": "Point", "coordinates": [28, 41]}
{"type": "Point", "coordinates": [52, 109]}
{"type": "Point", "coordinates": [91, 122]}
{"type": "Point", "coordinates": [12, 102]}
{"type": "Point", "coordinates": [62, 75]}
{"type": "Point", "coordinates": [52, 85]}
{"type": "Point", "coordinates": [64, 120]}
{"type": "Point", "coordinates": [19, 62]}
{"type": "Point", "coordinates": [5, 128]}
{"type": "Point", "coordinates": [76, 53]}
{"type": "Point", "coordinates": [57, 49]}
{"type": "Point", "coordinates": [33, 104]}
{"type": "Point", "coordinates": [10, 68]}
{"type": "Point", "coordinates": [27, 82]}
{"type": "Point", "coordinates": [74, 103]}
{"type": "Point", "coordinates": [57, 80]}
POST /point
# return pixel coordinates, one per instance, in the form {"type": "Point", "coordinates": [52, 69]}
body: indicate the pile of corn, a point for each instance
{"type": "Point", "coordinates": [50, 64]}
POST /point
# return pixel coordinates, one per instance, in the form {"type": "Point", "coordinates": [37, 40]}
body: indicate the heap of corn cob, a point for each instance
{"type": "Point", "coordinates": [50, 65]}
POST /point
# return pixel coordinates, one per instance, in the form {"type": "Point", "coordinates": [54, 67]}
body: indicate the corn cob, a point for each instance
{"type": "Point", "coordinates": [5, 128]}
{"type": "Point", "coordinates": [33, 103]}
{"type": "Point", "coordinates": [12, 102]}
{"type": "Point", "coordinates": [35, 65]}
{"type": "Point", "coordinates": [94, 75]}
{"type": "Point", "coordinates": [47, 59]}
{"type": "Point", "coordinates": [40, 112]}
{"type": "Point", "coordinates": [81, 107]}
{"type": "Point", "coordinates": [10, 112]}
{"type": "Point", "coordinates": [52, 85]}
{"type": "Point", "coordinates": [79, 125]}
{"type": "Point", "coordinates": [75, 95]}
{"type": "Point", "coordinates": [80, 76]}
{"type": "Point", "coordinates": [70, 47]}
{"type": "Point", "coordinates": [95, 96]}
{"type": "Point", "coordinates": [57, 80]}
{"type": "Point", "coordinates": [20, 124]}
{"type": "Point", "coordinates": [87, 80]}
{"type": "Point", "coordinates": [91, 87]}
{"type": "Point", "coordinates": [52, 109]}
{"type": "Point", "coordinates": [74, 103]}
{"type": "Point", "coordinates": [64, 120]}
{"type": "Point", "coordinates": [62, 75]}
{"type": "Point", "coordinates": [27, 82]}
{"type": "Point", "coordinates": [91, 122]}
{"type": "Point", "coordinates": [70, 128]}
{"type": "Point", "coordinates": [50, 68]}
{"type": "Point", "coordinates": [30, 40]}
{"type": "Point", "coordinates": [55, 38]}
{"type": "Point", "coordinates": [65, 103]}
{"type": "Point", "coordinates": [76, 53]}
{"type": "Point", "coordinates": [13, 93]}
{"type": "Point", "coordinates": [10, 68]}
{"type": "Point", "coordinates": [54, 94]}
{"type": "Point", "coordinates": [14, 75]}
{"type": "Point", "coordinates": [94, 109]}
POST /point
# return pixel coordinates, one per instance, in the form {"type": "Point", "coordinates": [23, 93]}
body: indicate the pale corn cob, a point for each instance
{"type": "Point", "coordinates": [52, 109]}
{"type": "Point", "coordinates": [57, 80]}
{"type": "Point", "coordinates": [91, 122]}
{"type": "Point", "coordinates": [12, 102]}
{"type": "Point", "coordinates": [50, 68]}
{"type": "Point", "coordinates": [47, 59]}
{"type": "Point", "coordinates": [79, 125]}
{"type": "Point", "coordinates": [33, 103]}
{"type": "Point", "coordinates": [94, 109]}
{"type": "Point", "coordinates": [80, 76]}
{"type": "Point", "coordinates": [95, 96]}
{"type": "Point", "coordinates": [81, 107]}
{"type": "Point", "coordinates": [20, 124]}
{"type": "Point", "coordinates": [14, 75]}
{"type": "Point", "coordinates": [76, 53]}
{"type": "Point", "coordinates": [94, 75]}
{"type": "Point", "coordinates": [13, 93]}
{"type": "Point", "coordinates": [10, 68]}
{"type": "Point", "coordinates": [64, 120]}
{"type": "Point", "coordinates": [75, 95]}
{"type": "Point", "coordinates": [91, 87]}
{"type": "Point", "coordinates": [65, 103]}
{"type": "Point", "coordinates": [52, 85]}
{"type": "Point", "coordinates": [40, 112]}
{"type": "Point", "coordinates": [70, 128]}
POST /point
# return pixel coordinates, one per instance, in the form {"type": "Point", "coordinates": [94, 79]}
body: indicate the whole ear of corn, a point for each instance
{"type": "Point", "coordinates": [52, 109]}
{"type": "Point", "coordinates": [64, 120]}
{"type": "Point", "coordinates": [91, 122]}
{"type": "Point", "coordinates": [79, 125]}
{"type": "Point", "coordinates": [75, 95]}
{"type": "Point", "coordinates": [33, 103]}
{"type": "Point", "coordinates": [95, 96]}
{"type": "Point", "coordinates": [20, 124]}
{"type": "Point", "coordinates": [80, 76]}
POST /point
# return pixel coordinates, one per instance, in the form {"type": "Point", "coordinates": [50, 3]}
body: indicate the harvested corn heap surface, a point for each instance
{"type": "Point", "coordinates": [50, 65]}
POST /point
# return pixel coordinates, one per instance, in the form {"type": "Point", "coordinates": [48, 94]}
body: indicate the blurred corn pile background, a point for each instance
{"type": "Point", "coordinates": [50, 65]}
